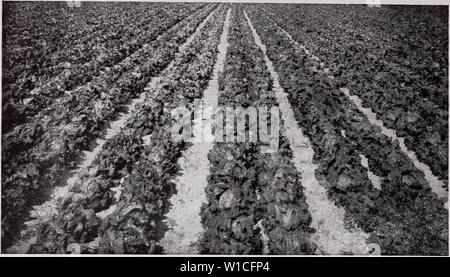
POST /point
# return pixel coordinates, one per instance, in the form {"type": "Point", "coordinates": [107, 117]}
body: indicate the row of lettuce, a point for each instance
{"type": "Point", "coordinates": [119, 206]}
{"type": "Point", "coordinates": [32, 81]}
{"type": "Point", "coordinates": [398, 67]}
{"type": "Point", "coordinates": [255, 202]}
{"type": "Point", "coordinates": [404, 216]}
{"type": "Point", "coordinates": [42, 152]}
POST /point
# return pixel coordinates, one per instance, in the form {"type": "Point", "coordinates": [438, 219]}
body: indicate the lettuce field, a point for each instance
{"type": "Point", "coordinates": [354, 99]}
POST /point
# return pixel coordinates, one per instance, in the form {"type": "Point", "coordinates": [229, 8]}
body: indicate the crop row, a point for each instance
{"type": "Point", "coordinates": [398, 68]}
{"type": "Point", "coordinates": [71, 34]}
{"type": "Point", "coordinates": [105, 94]}
{"type": "Point", "coordinates": [24, 100]}
{"type": "Point", "coordinates": [140, 162]}
{"type": "Point", "coordinates": [255, 202]}
{"type": "Point", "coordinates": [404, 216]}
{"type": "Point", "coordinates": [47, 25]}
{"type": "Point", "coordinates": [51, 27]}
{"type": "Point", "coordinates": [43, 151]}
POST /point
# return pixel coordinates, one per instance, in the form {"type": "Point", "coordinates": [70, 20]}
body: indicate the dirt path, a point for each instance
{"type": "Point", "coordinates": [184, 217]}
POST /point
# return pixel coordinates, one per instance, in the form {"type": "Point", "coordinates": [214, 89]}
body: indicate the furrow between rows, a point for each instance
{"type": "Point", "coordinates": [184, 220]}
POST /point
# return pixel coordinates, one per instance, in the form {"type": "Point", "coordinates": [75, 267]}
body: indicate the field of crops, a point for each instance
{"type": "Point", "coordinates": [357, 161]}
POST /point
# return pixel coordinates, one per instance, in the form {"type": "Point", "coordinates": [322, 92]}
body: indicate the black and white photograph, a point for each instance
{"type": "Point", "coordinates": [237, 128]}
